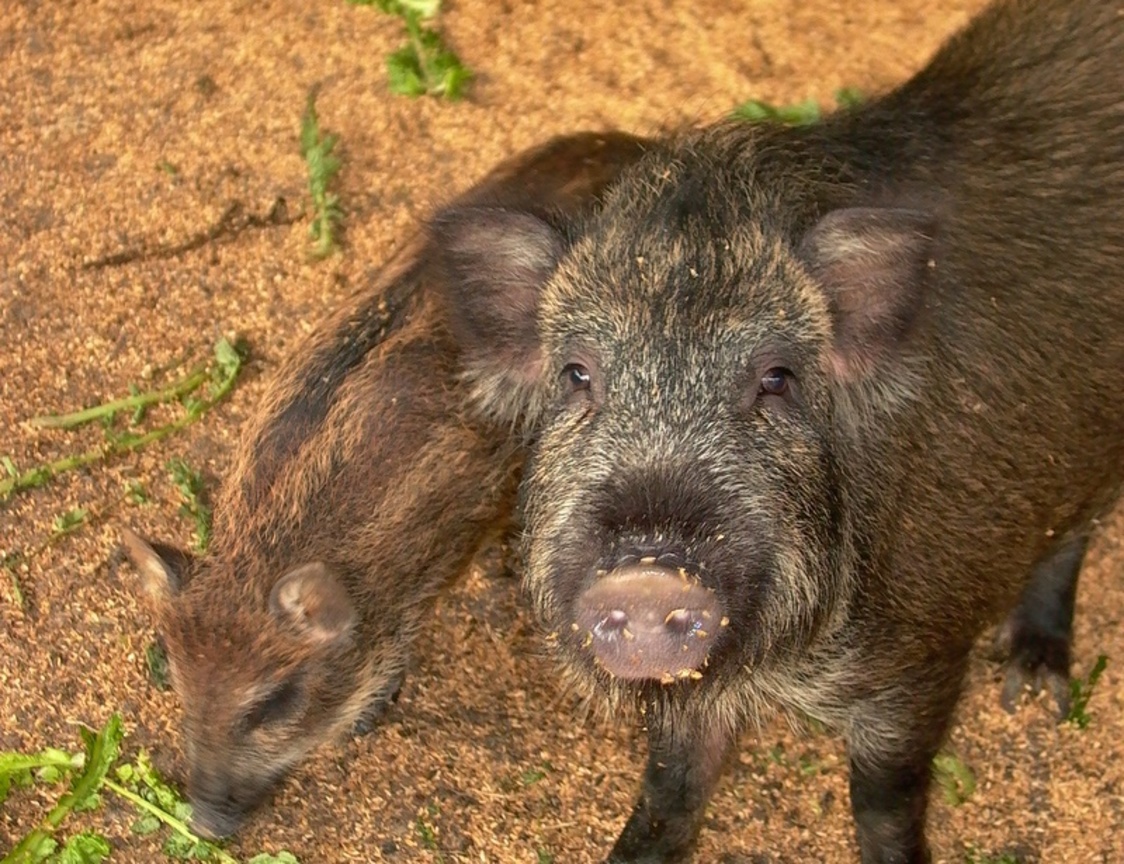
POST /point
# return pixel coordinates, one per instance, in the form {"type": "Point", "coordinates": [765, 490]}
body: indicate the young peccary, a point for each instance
{"type": "Point", "coordinates": [362, 488]}
{"type": "Point", "coordinates": [816, 405]}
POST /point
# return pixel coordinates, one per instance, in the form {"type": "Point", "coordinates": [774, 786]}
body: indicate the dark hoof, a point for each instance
{"type": "Point", "coordinates": [1035, 661]}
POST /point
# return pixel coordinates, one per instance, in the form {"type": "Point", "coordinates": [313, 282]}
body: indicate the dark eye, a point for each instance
{"type": "Point", "coordinates": [775, 382]}
{"type": "Point", "coordinates": [275, 707]}
{"type": "Point", "coordinates": [575, 377]}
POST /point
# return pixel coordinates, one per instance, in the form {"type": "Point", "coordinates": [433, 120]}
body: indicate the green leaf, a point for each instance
{"type": "Point", "coordinates": [83, 848]}
{"type": "Point", "coordinates": [228, 358]}
{"type": "Point", "coordinates": [9, 466]}
{"type": "Point", "coordinates": [402, 8]}
{"type": "Point", "coordinates": [102, 749]}
{"type": "Point", "coordinates": [187, 848]}
{"type": "Point", "coordinates": [156, 664]}
{"type": "Point", "coordinates": [69, 521]}
{"type": "Point", "coordinates": [146, 825]}
{"type": "Point", "coordinates": [955, 778]}
{"type": "Point", "coordinates": [47, 766]}
{"type": "Point", "coordinates": [49, 774]}
{"type": "Point", "coordinates": [849, 97]}
{"type": "Point", "coordinates": [190, 484]}
{"type": "Point", "coordinates": [421, 8]}
{"type": "Point", "coordinates": [426, 833]}
{"type": "Point", "coordinates": [404, 72]}
{"type": "Point", "coordinates": [42, 851]}
{"type": "Point", "coordinates": [149, 778]}
{"type": "Point", "coordinates": [135, 492]}
{"type": "Point", "coordinates": [281, 857]}
{"type": "Point", "coordinates": [797, 114]}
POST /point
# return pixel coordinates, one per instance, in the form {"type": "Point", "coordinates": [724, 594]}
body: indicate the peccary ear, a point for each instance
{"type": "Point", "coordinates": [161, 567]}
{"type": "Point", "coordinates": [874, 264]}
{"type": "Point", "coordinates": [496, 261]}
{"type": "Point", "coordinates": [312, 599]}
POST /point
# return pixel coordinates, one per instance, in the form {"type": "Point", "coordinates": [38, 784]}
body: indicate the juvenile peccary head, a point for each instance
{"type": "Point", "coordinates": [683, 364]}
{"type": "Point", "coordinates": [263, 679]}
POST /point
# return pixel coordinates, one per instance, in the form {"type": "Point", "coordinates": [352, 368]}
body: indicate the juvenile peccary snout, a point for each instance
{"type": "Point", "coordinates": [362, 488]}
{"type": "Point", "coordinates": [863, 381]}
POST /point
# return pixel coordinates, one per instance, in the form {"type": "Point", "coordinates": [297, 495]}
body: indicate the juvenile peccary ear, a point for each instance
{"type": "Point", "coordinates": [495, 263]}
{"type": "Point", "coordinates": [311, 598]}
{"type": "Point", "coordinates": [161, 567]}
{"type": "Point", "coordinates": [874, 264]}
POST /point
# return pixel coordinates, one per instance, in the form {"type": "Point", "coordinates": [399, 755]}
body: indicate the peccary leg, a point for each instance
{"type": "Point", "coordinates": [1037, 635]}
{"type": "Point", "coordinates": [685, 760]}
{"type": "Point", "coordinates": [892, 742]}
{"type": "Point", "coordinates": [889, 802]}
{"type": "Point", "coordinates": [375, 711]}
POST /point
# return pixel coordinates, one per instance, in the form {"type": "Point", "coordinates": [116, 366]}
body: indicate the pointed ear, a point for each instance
{"type": "Point", "coordinates": [313, 599]}
{"type": "Point", "coordinates": [162, 568]}
{"type": "Point", "coordinates": [874, 264]}
{"type": "Point", "coordinates": [495, 262]}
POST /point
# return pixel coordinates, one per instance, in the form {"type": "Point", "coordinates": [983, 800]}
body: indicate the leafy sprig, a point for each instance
{"type": "Point", "coordinates": [323, 166]}
{"type": "Point", "coordinates": [190, 485]}
{"type": "Point", "coordinates": [158, 804]}
{"type": "Point", "coordinates": [216, 379]}
{"type": "Point", "coordinates": [797, 113]}
{"type": "Point", "coordinates": [425, 65]}
{"type": "Point", "coordinates": [1081, 691]}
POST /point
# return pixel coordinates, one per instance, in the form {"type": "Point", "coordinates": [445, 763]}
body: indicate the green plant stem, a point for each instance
{"type": "Point", "coordinates": [171, 821]}
{"type": "Point", "coordinates": [141, 400]}
{"type": "Point", "coordinates": [17, 589]}
{"type": "Point", "coordinates": [413, 28]}
{"type": "Point", "coordinates": [35, 476]}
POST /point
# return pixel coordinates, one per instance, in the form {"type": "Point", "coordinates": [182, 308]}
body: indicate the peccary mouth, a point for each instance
{"type": "Point", "coordinates": [215, 823]}
{"type": "Point", "coordinates": [649, 622]}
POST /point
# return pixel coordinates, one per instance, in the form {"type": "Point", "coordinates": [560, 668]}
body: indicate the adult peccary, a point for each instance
{"type": "Point", "coordinates": [361, 489]}
{"type": "Point", "coordinates": [816, 405]}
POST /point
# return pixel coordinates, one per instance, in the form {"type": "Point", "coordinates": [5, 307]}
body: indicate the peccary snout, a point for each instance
{"type": "Point", "coordinates": [649, 621]}
{"type": "Point", "coordinates": [219, 806]}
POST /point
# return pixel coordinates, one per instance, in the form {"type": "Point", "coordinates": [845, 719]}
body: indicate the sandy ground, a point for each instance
{"type": "Point", "coordinates": [97, 97]}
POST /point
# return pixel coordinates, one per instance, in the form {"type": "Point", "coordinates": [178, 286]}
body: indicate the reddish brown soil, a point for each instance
{"type": "Point", "coordinates": [98, 96]}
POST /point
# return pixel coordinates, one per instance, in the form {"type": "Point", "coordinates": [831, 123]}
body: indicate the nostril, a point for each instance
{"type": "Point", "coordinates": [612, 624]}
{"type": "Point", "coordinates": [679, 621]}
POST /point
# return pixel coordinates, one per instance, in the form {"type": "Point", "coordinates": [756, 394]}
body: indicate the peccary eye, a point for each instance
{"type": "Point", "coordinates": [775, 381]}
{"type": "Point", "coordinates": [275, 707]}
{"type": "Point", "coordinates": [575, 377]}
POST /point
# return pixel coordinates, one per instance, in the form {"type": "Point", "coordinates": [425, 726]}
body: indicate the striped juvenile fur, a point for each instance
{"type": "Point", "coordinates": [362, 488]}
